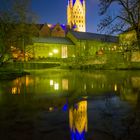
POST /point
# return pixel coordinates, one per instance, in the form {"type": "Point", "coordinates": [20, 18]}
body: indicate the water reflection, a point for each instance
{"type": "Point", "coordinates": [63, 83]}
{"type": "Point", "coordinates": [50, 91]}
{"type": "Point", "coordinates": [78, 120]}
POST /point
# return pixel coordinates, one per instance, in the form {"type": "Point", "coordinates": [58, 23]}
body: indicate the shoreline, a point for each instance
{"type": "Point", "coordinates": [11, 74]}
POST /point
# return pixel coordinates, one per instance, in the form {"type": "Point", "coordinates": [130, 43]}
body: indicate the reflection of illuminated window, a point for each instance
{"type": "Point", "coordinates": [14, 90]}
{"type": "Point", "coordinates": [51, 82]}
{"type": "Point", "coordinates": [56, 86]}
{"type": "Point", "coordinates": [65, 84]}
{"type": "Point", "coordinates": [85, 86]}
{"type": "Point", "coordinates": [51, 108]}
{"type": "Point", "coordinates": [115, 87]}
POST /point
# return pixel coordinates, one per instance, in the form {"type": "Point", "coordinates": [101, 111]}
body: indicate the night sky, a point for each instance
{"type": "Point", "coordinates": [55, 11]}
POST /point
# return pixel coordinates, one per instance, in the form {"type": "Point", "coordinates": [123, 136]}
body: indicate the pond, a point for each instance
{"type": "Point", "coordinates": [61, 104]}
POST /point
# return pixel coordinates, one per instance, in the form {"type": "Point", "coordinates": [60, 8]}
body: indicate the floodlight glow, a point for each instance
{"type": "Point", "coordinates": [50, 54]}
{"type": "Point", "coordinates": [55, 51]}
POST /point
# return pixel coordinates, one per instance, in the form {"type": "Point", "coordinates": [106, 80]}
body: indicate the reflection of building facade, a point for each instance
{"type": "Point", "coordinates": [78, 120]}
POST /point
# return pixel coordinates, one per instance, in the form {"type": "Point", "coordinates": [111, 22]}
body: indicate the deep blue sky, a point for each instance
{"type": "Point", "coordinates": [55, 11]}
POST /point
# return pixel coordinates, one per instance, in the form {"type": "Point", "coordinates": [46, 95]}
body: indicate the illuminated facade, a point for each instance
{"type": "Point", "coordinates": [61, 41]}
{"type": "Point", "coordinates": [75, 44]}
{"type": "Point", "coordinates": [76, 14]}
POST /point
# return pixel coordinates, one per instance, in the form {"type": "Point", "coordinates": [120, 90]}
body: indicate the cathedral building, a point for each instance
{"type": "Point", "coordinates": [70, 41]}
{"type": "Point", "coordinates": [76, 15]}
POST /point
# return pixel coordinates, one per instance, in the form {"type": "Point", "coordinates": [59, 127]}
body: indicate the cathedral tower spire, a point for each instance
{"type": "Point", "coordinates": [76, 14]}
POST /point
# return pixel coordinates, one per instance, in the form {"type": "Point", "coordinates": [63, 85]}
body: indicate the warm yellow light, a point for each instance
{"type": "Point", "coordinates": [56, 86]}
{"type": "Point", "coordinates": [85, 86]}
{"type": "Point", "coordinates": [55, 51]}
{"type": "Point", "coordinates": [51, 82]}
{"type": "Point", "coordinates": [51, 108]}
{"type": "Point", "coordinates": [14, 90]}
{"type": "Point", "coordinates": [50, 54]}
{"type": "Point", "coordinates": [115, 87]}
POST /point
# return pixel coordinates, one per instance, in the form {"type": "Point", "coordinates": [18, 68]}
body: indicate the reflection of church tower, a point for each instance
{"type": "Point", "coordinates": [76, 14]}
{"type": "Point", "coordinates": [78, 120]}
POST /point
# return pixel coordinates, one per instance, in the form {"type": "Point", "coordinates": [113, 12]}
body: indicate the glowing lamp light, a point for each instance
{"type": "Point", "coordinates": [51, 109]}
{"type": "Point", "coordinates": [55, 51]}
{"type": "Point", "coordinates": [51, 82]}
{"type": "Point", "coordinates": [56, 86]}
{"type": "Point", "coordinates": [50, 54]}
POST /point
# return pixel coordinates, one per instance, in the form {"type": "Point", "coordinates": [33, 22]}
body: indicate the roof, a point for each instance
{"type": "Point", "coordinates": [53, 40]}
{"type": "Point", "coordinates": [94, 36]}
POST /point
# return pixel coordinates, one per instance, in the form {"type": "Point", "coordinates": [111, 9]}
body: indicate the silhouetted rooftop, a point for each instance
{"type": "Point", "coordinates": [94, 36]}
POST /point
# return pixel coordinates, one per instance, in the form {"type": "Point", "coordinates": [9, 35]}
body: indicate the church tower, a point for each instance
{"type": "Point", "coordinates": [76, 15]}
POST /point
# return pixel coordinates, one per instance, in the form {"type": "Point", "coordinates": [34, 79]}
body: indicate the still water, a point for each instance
{"type": "Point", "coordinates": [71, 105]}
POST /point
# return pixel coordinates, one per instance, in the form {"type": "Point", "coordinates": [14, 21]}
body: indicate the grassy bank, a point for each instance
{"type": "Point", "coordinates": [11, 73]}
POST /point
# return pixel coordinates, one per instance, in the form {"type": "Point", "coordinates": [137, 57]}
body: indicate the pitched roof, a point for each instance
{"type": "Point", "coordinates": [53, 40]}
{"type": "Point", "coordinates": [94, 36]}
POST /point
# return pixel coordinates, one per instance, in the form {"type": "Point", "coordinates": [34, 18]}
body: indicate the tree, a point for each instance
{"type": "Point", "coordinates": [127, 17]}
{"type": "Point", "coordinates": [16, 25]}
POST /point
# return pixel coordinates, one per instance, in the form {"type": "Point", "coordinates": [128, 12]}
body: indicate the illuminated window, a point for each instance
{"type": "Point", "coordinates": [51, 82]}
{"type": "Point", "coordinates": [64, 52]}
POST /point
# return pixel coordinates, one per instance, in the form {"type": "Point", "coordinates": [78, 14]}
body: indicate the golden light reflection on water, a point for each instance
{"type": "Point", "coordinates": [51, 109]}
{"type": "Point", "coordinates": [115, 87]}
{"type": "Point", "coordinates": [15, 90]}
{"type": "Point", "coordinates": [78, 119]}
{"type": "Point", "coordinates": [19, 82]}
{"type": "Point", "coordinates": [127, 89]}
{"type": "Point", "coordinates": [65, 84]}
